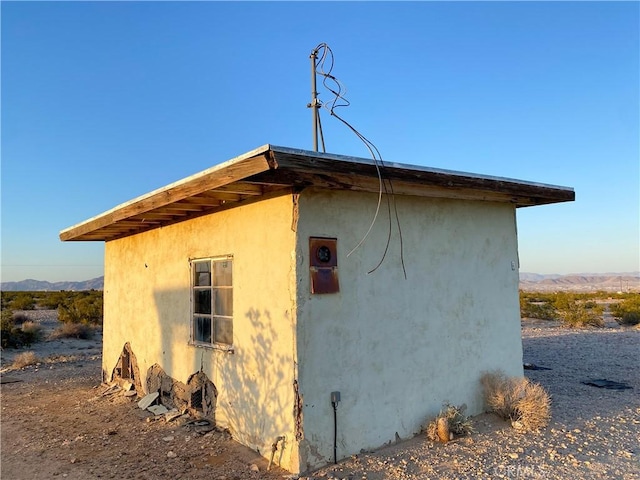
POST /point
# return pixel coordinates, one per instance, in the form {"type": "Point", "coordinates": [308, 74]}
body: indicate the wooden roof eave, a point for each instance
{"type": "Point", "coordinates": [271, 170]}
{"type": "Point", "coordinates": [347, 173]}
{"type": "Point", "coordinates": [239, 168]}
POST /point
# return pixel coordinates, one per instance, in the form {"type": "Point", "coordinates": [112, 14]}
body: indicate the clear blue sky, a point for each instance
{"type": "Point", "coordinates": [103, 102]}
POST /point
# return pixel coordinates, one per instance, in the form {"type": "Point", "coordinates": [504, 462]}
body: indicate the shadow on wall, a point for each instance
{"type": "Point", "coordinates": [263, 401]}
{"type": "Point", "coordinates": [254, 385]}
{"type": "Point", "coordinates": [198, 395]}
{"type": "Point", "coordinates": [253, 388]}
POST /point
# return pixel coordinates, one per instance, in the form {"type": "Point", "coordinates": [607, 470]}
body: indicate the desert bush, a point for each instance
{"type": "Point", "coordinates": [450, 421]}
{"type": "Point", "coordinates": [73, 330]}
{"type": "Point", "coordinates": [627, 312]}
{"type": "Point", "coordinates": [23, 301]}
{"type": "Point", "coordinates": [32, 332]}
{"type": "Point", "coordinates": [6, 329]}
{"type": "Point", "coordinates": [12, 335]}
{"type": "Point", "coordinates": [19, 319]}
{"type": "Point", "coordinates": [630, 318]}
{"type": "Point", "coordinates": [52, 300]}
{"type": "Point", "coordinates": [579, 315]}
{"type": "Point", "coordinates": [25, 359]}
{"type": "Point", "coordinates": [526, 404]}
{"type": "Point", "coordinates": [543, 311]}
{"type": "Point", "coordinates": [578, 310]}
{"type": "Point", "coordinates": [537, 305]}
{"type": "Point", "coordinates": [5, 299]}
{"type": "Point", "coordinates": [83, 307]}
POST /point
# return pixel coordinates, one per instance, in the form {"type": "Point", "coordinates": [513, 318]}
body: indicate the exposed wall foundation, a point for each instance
{"type": "Point", "coordinates": [126, 370]}
{"type": "Point", "coordinates": [198, 396]}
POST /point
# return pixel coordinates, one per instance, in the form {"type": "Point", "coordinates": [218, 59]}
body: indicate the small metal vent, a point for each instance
{"type": "Point", "coordinates": [197, 399]}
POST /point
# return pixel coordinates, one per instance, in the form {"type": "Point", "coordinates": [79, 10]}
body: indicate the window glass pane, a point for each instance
{"type": "Point", "coordinates": [202, 301]}
{"type": "Point", "coordinates": [224, 301]}
{"type": "Point", "coordinates": [202, 329]}
{"type": "Point", "coordinates": [212, 300]}
{"type": "Point", "coordinates": [201, 274]}
{"type": "Point", "coordinates": [224, 330]}
{"type": "Point", "coordinates": [222, 271]}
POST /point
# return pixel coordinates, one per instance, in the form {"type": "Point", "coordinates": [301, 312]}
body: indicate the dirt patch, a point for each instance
{"type": "Point", "coordinates": [58, 422]}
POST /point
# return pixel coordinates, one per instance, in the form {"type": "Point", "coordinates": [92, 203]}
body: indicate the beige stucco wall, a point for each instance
{"type": "Point", "coordinates": [147, 303]}
{"type": "Point", "coordinates": [398, 349]}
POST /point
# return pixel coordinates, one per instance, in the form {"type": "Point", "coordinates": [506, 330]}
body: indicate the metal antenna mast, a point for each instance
{"type": "Point", "coordinates": [315, 105]}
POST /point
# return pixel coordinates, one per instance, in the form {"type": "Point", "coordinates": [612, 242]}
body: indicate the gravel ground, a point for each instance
{"type": "Point", "coordinates": [57, 351]}
{"type": "Point", "coordinates": [594, 432]}
{"type": "Point", "coordinates": [56, 424]}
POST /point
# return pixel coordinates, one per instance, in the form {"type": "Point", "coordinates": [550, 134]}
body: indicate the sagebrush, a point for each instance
{"type": "Point", "coordinates": [526, 404]}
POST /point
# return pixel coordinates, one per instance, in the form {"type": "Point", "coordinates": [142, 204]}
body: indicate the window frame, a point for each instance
{"type": "Point", "coordinates": [213, 316]}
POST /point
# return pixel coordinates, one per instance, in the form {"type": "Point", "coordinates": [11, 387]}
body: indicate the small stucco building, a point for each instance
{"type": "Point", "coordinates": [254, 290]}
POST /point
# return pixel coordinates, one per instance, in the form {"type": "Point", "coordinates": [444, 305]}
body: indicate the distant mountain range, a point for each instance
{"type": "Point", "coordinates": [31, 285]}
{"type": "Point", "coordinates": [579, 282]}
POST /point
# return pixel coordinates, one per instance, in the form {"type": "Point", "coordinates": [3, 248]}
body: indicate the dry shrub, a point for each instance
{"type": "Point", "coordinates": [525, 403]}
{"type": "Point", "coordinates": [16, 330]}
{"type": "Point", "coordinates": [630, 318]}
{"type": "Point", "coordinates": [497, 393]}
{"type": "Point", "coordinates": [19, 319]}
{"type": "Point", "coordinates": [533, 407]}
{"type": "Point", "coordinates": [62, 358]}
{"type": "Point", "coordinates": [449, 422]}
{"type": "Point", "coordinates": [32, 330]}
{"type": "Point", "coordinates": [73, 330]}
{"type": "Point", "coordinates": [25, 359]}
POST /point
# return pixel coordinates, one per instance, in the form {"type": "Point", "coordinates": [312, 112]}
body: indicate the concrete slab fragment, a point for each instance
{"type": "Point", "coordinates": [148, 400]}
{"type": "Point", "coordinates": [172, 415]}
{"type": "Point", "coordinates": [158, 409]}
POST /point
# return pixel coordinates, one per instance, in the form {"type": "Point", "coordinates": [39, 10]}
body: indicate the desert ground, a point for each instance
{"type": "Point", "coordinates": [59, 421]}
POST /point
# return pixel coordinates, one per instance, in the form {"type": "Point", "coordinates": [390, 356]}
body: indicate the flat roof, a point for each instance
{"type": "Point", "coordinates": [271, 170]}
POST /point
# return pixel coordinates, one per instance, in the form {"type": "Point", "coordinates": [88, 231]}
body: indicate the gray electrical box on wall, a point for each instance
{"type": "Point", "coordinates": [323, 265]}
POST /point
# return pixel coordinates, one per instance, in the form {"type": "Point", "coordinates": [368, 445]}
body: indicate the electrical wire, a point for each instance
{"type": "Point", "coordinates": [324, 150]}
{"type": "Point", "coordinates": [339, 100]}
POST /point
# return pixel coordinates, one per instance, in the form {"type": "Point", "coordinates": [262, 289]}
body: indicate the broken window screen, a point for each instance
{"type": "Point", "coordinates": [212, 301]}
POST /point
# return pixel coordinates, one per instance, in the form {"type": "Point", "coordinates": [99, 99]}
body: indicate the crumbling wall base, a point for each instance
{"type": "Point", "coordinates": [126, 370]}
{"type": "Point", "coordinates": [197, 397]}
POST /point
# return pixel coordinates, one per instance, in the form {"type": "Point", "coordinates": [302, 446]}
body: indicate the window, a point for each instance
{"type": "Point", "coordinates": [212, 301]}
